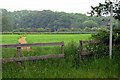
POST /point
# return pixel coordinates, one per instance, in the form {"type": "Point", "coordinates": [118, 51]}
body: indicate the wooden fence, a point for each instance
{"type": "Point", "coordinates": [82, 53]}
{"type": "Point", "coordinates": [18, 46]}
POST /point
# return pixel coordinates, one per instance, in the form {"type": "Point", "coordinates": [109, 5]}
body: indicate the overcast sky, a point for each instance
{"type": "Point", "coordinates": [69, 6]}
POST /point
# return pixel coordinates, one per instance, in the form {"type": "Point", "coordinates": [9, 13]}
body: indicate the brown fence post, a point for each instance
{"type": "Point", "coordinates": [81, 48]}
{"type": "Point", "coordinates": [62, 48]}
{"type": "Point", "coordinates": [18, 51]}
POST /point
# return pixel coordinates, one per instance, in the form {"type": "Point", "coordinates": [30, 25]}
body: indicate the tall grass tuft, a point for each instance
{"type": "Point", "coordinates": [72, 54]}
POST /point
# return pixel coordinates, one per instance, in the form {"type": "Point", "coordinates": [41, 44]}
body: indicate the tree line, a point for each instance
{"type": "Point", "coordinates": [49, 21]}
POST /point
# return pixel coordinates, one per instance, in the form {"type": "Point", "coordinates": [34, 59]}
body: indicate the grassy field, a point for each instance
{"type": "Point", "coordinates": [41, 38]}
{"type": "Point", "coordinates": [68, 67]}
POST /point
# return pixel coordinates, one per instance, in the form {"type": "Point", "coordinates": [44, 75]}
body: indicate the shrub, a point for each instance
{"type": "Point", "coordinates": [72, 54]}
{"type": "Point", "coordinates": [102, 49]}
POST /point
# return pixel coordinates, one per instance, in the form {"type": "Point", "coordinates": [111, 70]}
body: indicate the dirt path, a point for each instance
{"type": "Point", "coordinates": [23, 41]}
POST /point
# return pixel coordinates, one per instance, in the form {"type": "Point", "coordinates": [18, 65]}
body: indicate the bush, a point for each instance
{"type": "Point", "coordinates": [72, 54]}
{"type": "Point", "coordinates": [103, 34]}
{"type": "Point", "coordinates": [101, 49]}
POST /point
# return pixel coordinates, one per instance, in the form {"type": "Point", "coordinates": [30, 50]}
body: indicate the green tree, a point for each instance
{"type": "Point", "coordinates": [6, 24]}
{"type": "Point", "coordinates": [5, 19]}
{"type": "Point", "coordinates": [49, 20]}
{"type": "Point", "coordinates": [90, 24]}
{"type": "Point", "coordinates": [104, 9]}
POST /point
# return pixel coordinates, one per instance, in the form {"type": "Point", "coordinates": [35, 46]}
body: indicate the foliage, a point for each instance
{"type": "Point", "coordinates": [6, 22]}
{"type": "Point", "coordinates": [47, 19]}
{"type": "Point", "coordinates": [102, 48]}
{"type": "Point", "coordinates": [103, 34]}
{"type": "Point", "coordinates": [72, 54]}
{"type": "Point", "coordinates": [90, 23]}
{"type": "Point", "coordinates": [104, 9]}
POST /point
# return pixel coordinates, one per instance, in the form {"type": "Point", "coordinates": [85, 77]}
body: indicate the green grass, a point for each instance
{"type": "Point", "coordinates": [42, 38]}
{"type": "Point", "coordinates": [10, 39]}
{"type": "Point", "coordinates": [68, 67]}
{"type": "Point", "coordinates": [58, 68]}
{"type": "Point", "coordinates": [45, 38]}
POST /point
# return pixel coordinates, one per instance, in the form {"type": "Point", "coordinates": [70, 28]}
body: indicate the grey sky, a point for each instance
{"type": "Point", "coordinates": [70, 6]}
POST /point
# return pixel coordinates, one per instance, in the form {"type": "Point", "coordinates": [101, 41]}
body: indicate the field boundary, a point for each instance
{"type": "Point", "coordinates": [18, 46]}
{"type": "Point", "coordinates": [19, 33]}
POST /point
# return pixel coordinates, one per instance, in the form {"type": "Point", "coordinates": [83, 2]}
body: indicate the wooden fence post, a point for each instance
{"type": "Point", "coordinates": [62, 48]}
{"type": "Point", "coordinates": [18, 51]}
{"type": "Point", "coordinates": [81, 48]}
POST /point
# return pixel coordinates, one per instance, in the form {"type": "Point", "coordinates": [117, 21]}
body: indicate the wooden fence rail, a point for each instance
{"type": "Point", "coordinates": [31, 58]}
{"type": "Point", "coordinates": [81, 47]}
{"type": "Point", "coordinates": [30, 45]}
{"type": "Point", "coordinates": [18, 46]}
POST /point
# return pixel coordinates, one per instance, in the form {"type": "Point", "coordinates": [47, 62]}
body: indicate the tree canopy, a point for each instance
{"type": "Point", "coordinates": [47, 20]}
{"type": "Point", "coordinates": [6, 22]}
{"type": "Point", "coordinates": [105, 8]}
